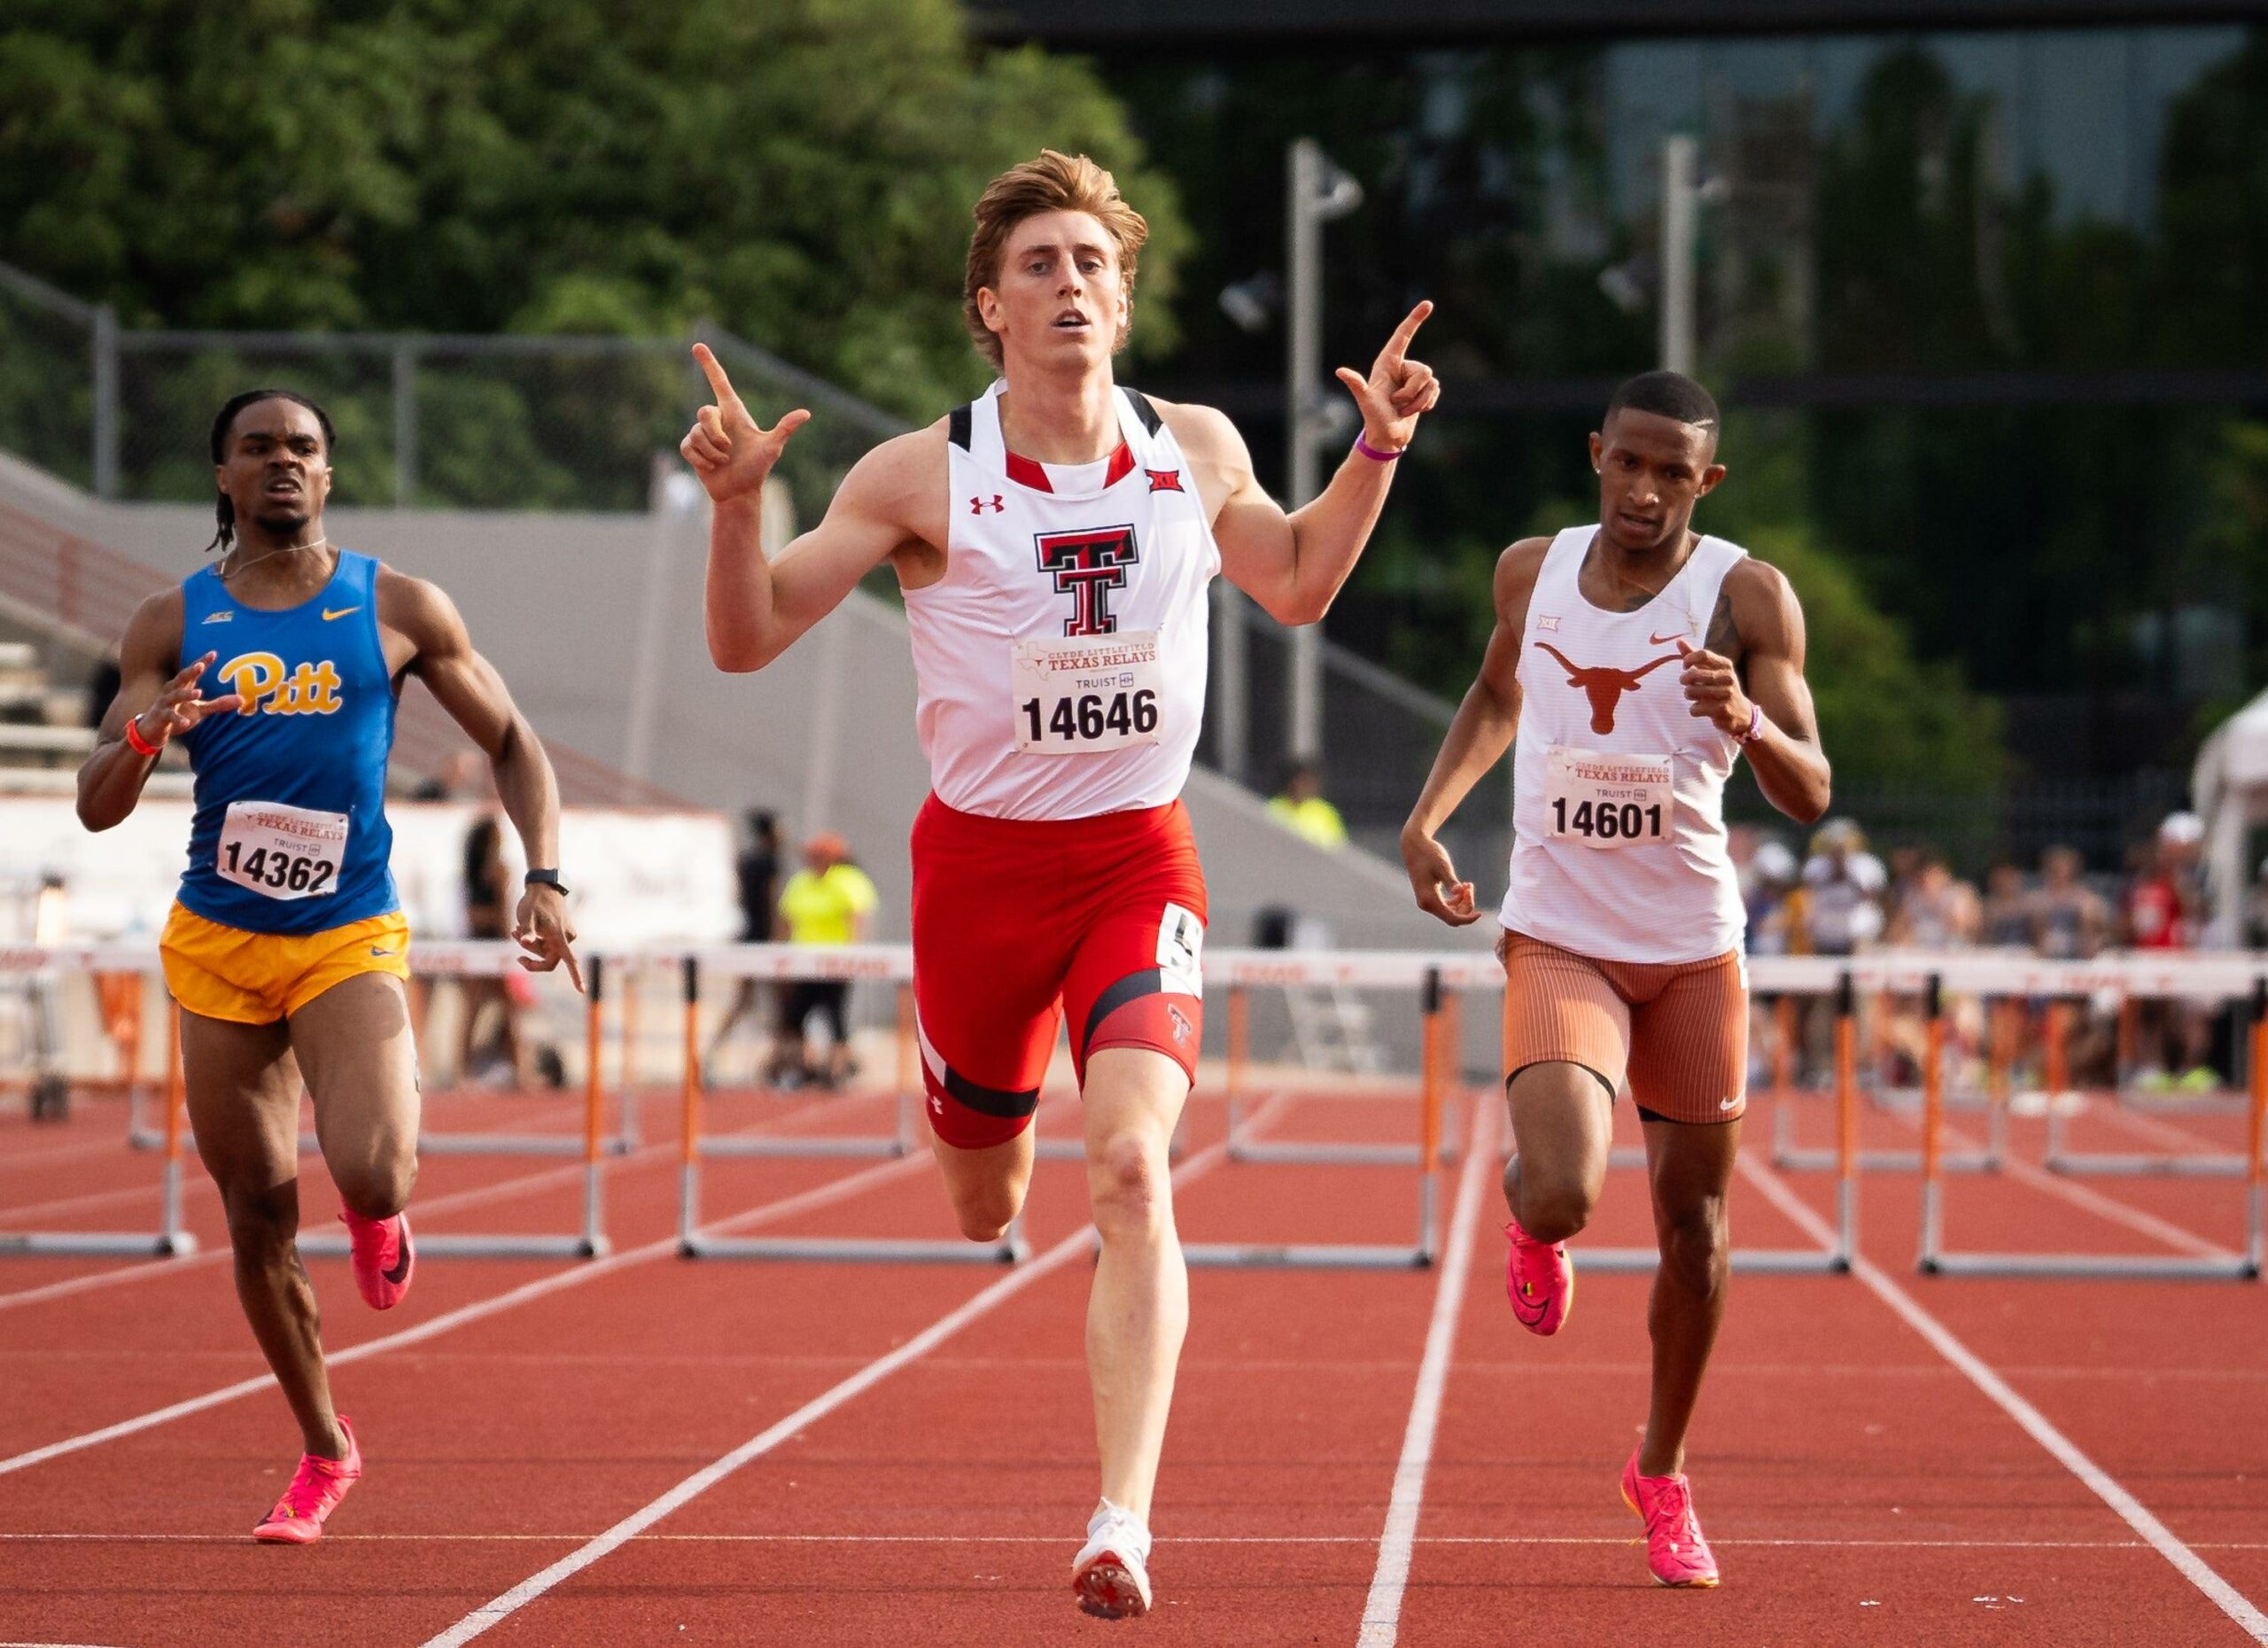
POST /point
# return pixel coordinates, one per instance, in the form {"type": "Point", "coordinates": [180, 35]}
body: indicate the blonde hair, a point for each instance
{"type": "Point", "coordinates": [1054, 182]}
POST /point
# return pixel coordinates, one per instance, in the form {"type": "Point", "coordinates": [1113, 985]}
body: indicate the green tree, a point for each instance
{"type": "Point", "coordinates": [800, 171]}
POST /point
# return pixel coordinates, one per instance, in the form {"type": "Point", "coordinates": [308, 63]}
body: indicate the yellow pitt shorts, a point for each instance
{"type": "Point", "coordinates": [256, 978]}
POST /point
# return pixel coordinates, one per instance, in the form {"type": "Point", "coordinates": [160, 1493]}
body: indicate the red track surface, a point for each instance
{"type": "Point", "coordinates": [1858, 1487]}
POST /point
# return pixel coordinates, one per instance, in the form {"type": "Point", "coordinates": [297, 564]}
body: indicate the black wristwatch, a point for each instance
{"type": "Point", "coordinates": [547, 878]}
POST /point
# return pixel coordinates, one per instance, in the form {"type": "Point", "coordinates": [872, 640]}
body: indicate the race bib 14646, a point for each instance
{"type": "Point", "coordinates": [1088, 694]}
{"type": "Point", "coordinates": [279, 851]}
{"type": "Point", "coordinates": [1607, 800]}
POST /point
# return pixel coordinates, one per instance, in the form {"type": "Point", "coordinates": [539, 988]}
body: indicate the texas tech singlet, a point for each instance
{"type": "Point", "coordinates": [1062, 658]}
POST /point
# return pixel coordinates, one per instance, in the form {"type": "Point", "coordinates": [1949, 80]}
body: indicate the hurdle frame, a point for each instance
{"type": "Point", "coordinates": [172, 1239]}
{"type": "Point", "coordinates": [2067, 979]}
{"type": "Point", "coordinates": [1438, 979]}
{"type": "Point", "coordinates": [781, 964]}
{"type": "Point", "coordinates": [2059, 1157]}
{"type": "Point", "coordinates": [587, 1242]}
{"type": "Point", "coordinates": [1790, 1156]}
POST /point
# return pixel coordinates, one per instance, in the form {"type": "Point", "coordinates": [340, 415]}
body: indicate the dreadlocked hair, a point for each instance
{"type": "Point", "coordinates": [224, 513]}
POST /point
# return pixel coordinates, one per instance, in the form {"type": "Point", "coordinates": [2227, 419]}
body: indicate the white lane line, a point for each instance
{"type": "Point", "coordinates": [2034, 1424]}
{"type": "Point", "coordinates": [590, 1270]}
{"type": "Point", "coordinates": [1382, 1610]}
{"type": "Point", "coordinates": [2091, 1201]}
{"type": "Point", "coordinates": [1619, 1541]}
{"type": "Point", "coordinates": [1077, 1245]}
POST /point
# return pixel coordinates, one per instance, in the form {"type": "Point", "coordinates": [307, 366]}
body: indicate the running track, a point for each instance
{"type": "Point", "coordinates": [648, 1450]}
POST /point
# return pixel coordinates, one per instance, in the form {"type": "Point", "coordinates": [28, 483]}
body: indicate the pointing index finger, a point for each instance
{"type": "Point", "coordinates": [713, 369]}
{"type": "Point", "coordinates": [1399, 343]}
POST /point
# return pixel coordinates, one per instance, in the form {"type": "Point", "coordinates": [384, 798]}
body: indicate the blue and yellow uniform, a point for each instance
{"type": "Point", "coordinates": [288, 891]}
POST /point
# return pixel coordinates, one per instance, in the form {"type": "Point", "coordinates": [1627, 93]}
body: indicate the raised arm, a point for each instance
{"type": "Point", "coordinates": [160, 701]}
{"type": "Point", "coordinates": [468, 686]}
{"type": "Point", "coordinates": [1755, 658]}
{"type": "Point", "coordinates": [1476, 741]}
{"type": "Point", "coordinates": [753, 608]}
{"type": "Point", "coordinates": [1294, 564]}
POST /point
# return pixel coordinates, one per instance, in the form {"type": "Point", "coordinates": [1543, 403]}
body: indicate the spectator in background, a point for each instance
{"type": "Point", "coordinates": [2162, 909]}
{"type": "Point", "coordinates": [828, 901]}
{"type": "Point", "coordinates": [1768, 881]}
{"type": "Point", "coordinates": [501, 1059]}
{"type": "Point", "coordinates": [1302, 810]}
{"type": "Point", "coordinates": [2255, 910]}
{"type": "Point", "coordinates": [758, 869]}
{"type": "Point", "coordinates": [2007, 913]}
{"type": "Point", "coordinates": [1936, 911]}
{"type": "Point", "coordinates": [2069, 921]}
{"type": "Point", "coordinates": [1842, 887]}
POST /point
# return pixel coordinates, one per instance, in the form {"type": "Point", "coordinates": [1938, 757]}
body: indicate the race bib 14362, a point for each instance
{"type": "Point", "coordinates": [279, 851]}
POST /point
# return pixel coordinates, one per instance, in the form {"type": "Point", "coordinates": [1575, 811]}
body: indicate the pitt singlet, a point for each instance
{"type": "Point", "coordinates": [1062, 658]}
{"type": "Point", "coordinates": [1618, 815]}
{"type": "Point", "coordinates": [291, 833]}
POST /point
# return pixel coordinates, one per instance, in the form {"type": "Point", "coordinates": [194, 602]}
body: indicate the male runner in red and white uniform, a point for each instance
{"type": "Point", "coordinates": [1636, 658]}
{"type": "Point", "coordinates": [1055, 540]}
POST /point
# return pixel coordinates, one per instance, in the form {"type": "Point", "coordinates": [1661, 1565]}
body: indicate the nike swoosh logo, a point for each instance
{"type": "Point", "coordinates": [402, 1264]}
{"type": "Point", "coordinates": [1528, 1318]}
{"type": "Point", "coordinates": [375, 951]}
{"type": "Point", "coordinates": [1656, 641]}
{"type": "Point", "coordinates": [327, 614]}
{"type": "Point", "coordinates": [1728, 1104]}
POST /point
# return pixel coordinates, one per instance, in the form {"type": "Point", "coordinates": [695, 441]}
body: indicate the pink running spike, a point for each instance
{"type": "Point", "coordinates": [383, 1258]}
{"type": "Point", "coordinates": [316, 1487]}
{"type": "Point", "coordinates": [1675, 1551]}
{"type": "Point", "coordinates": [1540, 1281]}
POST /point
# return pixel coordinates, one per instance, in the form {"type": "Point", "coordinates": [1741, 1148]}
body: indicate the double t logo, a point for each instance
{"type": "Point", "coordinates": [1088, 565]}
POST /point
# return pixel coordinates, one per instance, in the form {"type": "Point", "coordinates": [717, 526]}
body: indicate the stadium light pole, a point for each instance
{"type": "Point", "coordinates": [1319, 193]}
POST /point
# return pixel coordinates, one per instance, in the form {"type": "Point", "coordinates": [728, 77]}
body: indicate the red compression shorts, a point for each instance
{"type": "Point", "coordinates": [1020, 922]}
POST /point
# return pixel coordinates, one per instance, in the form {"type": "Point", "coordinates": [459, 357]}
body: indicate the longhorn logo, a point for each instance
{"type": "Point", "coordinates": [1604, 686]}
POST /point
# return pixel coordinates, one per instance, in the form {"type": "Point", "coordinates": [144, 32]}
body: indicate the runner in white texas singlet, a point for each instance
{"type": "Point", "coordinates": [1054, 539]}
{"type": "Point", "coordinates": [1637, 660]}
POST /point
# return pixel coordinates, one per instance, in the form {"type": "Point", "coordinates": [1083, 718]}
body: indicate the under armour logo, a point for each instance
{"type": "Point", "coordinates": [1604, 686]}
{"type": "Point", "coordinates": [977, 506]}
{"type": "Point", "coordinates": [1164, 480]}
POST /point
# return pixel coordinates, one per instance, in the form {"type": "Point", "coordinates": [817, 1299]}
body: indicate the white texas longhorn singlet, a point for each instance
{"type": "Point", "coordinates": [1062, 658]}
{"type": "Point", "coordinates": [1618, 791]}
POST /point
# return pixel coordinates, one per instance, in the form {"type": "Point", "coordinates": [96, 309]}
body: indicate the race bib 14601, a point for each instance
{"type": "Point", "coordinates": [279, 851]}
{"type": "Point", "coordinates": [1088, 694]}
{"type": "Point", "coordinates": [1607, 800]}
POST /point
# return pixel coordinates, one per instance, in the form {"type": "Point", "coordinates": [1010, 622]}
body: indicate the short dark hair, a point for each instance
{"type": "Point", "coordinates": [224, 513]}
{"type": "Point", "coordinates": [1667, 395]}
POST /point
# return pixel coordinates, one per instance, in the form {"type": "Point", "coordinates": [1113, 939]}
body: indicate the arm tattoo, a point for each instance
{"type": "Point", "coordinates": [1724, 634]}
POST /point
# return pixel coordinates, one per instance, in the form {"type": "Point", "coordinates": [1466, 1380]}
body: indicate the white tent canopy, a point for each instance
{"type": "Point", "coordinates": [2230, 783]}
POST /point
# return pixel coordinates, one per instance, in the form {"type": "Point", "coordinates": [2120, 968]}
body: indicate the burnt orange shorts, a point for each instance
{"type": "Point", "coordinates": [1677, 1030]}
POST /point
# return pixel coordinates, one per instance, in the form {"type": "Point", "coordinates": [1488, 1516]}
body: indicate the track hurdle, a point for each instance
{"type": "Point", "coordinates": [1437, 978]}
{"type": "Point", "coordinates": [2060, 1157]}
{"type": "Point", "coordinates": [784, 963]}
{"type": "Point", "coordinates": [2079, 979]}
{"type": "Point", "coordinates": [1892, 978]}
{"type": "Point", "coordinates": [171, 1239]}
{"type": "Point", "coordinates": [587, 1242]}
{"type": "Point", "coordinates": [1244, 1144]}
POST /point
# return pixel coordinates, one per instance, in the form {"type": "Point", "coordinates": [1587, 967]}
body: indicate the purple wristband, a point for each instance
{"type": "Point", "coordinates": [1374, 454]}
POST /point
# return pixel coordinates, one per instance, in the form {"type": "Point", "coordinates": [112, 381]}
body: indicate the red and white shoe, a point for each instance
{"type": "Point", "coordinates": [383, 1258]}
{"type": "Point", "coordinates": [316, 1487]}
{"type": "Point", "coordinates": [1679, 1557]}
{"type": "Point", "coordinates": [1110, 1575]}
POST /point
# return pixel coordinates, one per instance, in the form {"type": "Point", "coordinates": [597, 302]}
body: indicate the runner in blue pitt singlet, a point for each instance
{"type": "Point", "coordinates": [287, 951]}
